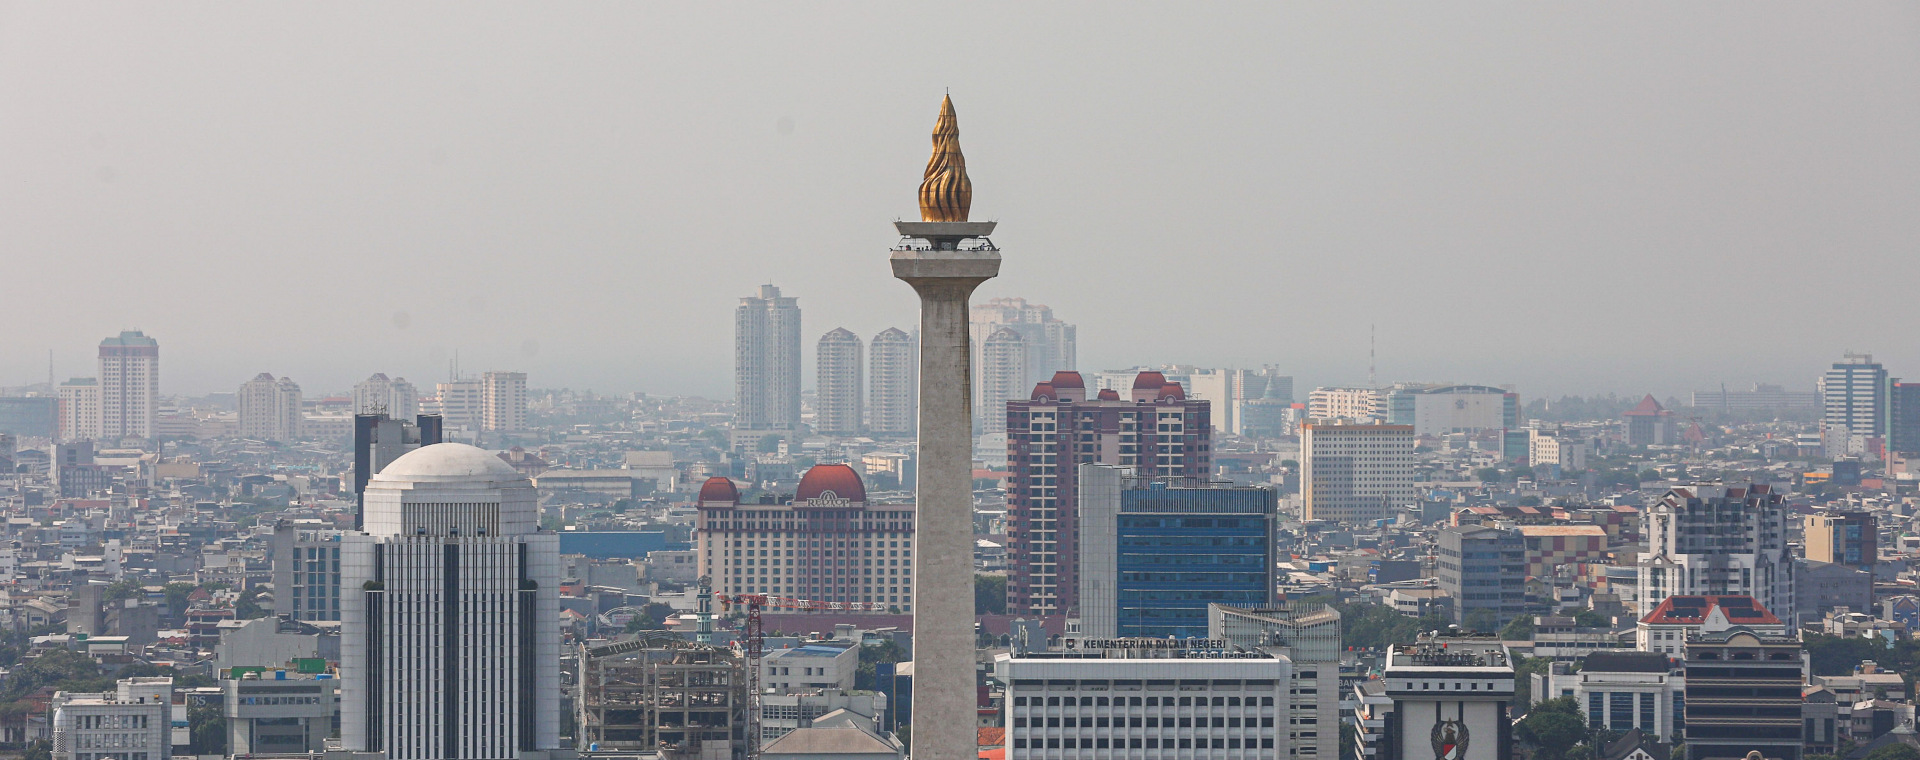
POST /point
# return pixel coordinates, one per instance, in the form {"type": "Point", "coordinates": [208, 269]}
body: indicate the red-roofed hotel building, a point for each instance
{"type": "Point", "coordinates": [1154, 429]}
{"type": "Point", "coordinates": [826, 544]}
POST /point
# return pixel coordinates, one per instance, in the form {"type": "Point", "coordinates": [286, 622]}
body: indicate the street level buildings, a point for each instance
{"type": "Point", "coordinates": [1621, 691]}
{"type": "Point", "coordinates": [837, 410]}
{"type": "Point", "coordinates": [1155, 430]}
{"type": "Point", "coordinates": [1148, 703]}
{"type": "Point", "coordinates": [132, 722]}
{"type": "Point", "coordinates": [449, 614]}
{"type": "Point", "coordinates": [1484, 569]}
{"type": "Point", "coordinates": [766, 361]}
{"type": "Point", "coordinates": [1842, 538]}
{"type": "Point", "coordinates": [1355, 474]}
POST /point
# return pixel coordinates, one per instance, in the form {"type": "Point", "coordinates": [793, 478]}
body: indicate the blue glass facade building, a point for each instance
{"type": "Point", "coordinates": [1156, 552]}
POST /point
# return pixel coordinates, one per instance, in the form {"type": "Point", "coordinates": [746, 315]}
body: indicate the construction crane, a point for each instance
{"type": "Point", "coordinates": [752, 639]}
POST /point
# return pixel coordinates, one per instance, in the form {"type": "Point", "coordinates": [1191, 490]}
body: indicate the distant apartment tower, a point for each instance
{"type": "Point", "coordinates": [503, 401]}
{"type": "Point", "coordinates": [269, 409]}
{"type": "Point", "coordinates": [1356, 404]}
{"type": "Point", "coordinates": [1232, 391]}
{"type": "Point", "coordinates": [1903, 417]}
{"type": "Point", "coordinates": [766, 361]}
{"type": "Point", "coordinates": [1717, 540]}
{"type": "Point", "coordinates": [1154, 553]}
{"type": "Point", "coordinates": [1003, 376]}
{"type": "Point", "coordinates": [838, 399]}
{"type": "Point", "coordinates": [394, 397]}
{"type": "Point", "coordinates": [1050, 344]}
{"type": "Point", "coordinates": [459, 405]}
{"type": "Point", "coordinates": [80, 409]}
{"type": "Point", "coordinates": [1853, 400]}
{"type": "Point", "coordinates": [1757, 396]}
{"type": "Point", "coordinates": [1355, 474]}
{"type": "Point", "coordinates": [893, 384]}
{"type": "Point", "coordinates": [129, 385]}
{"type": "Point", "coordinates": [1484, 569]}
{"type": "Point", "coordinates": [1842, 538]}
{"type": "Point", "coordinates": [1155, 429]}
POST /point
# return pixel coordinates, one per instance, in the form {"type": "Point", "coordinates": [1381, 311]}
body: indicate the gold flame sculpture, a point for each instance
{"type": "Point", "coordinates": [946, 194]}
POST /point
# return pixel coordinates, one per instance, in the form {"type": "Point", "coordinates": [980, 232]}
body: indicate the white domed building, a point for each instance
{"type": "Point", "coordinates": [450, 613]}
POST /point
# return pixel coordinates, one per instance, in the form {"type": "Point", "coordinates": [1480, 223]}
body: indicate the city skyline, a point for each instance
{"type": "Point", "coordinates": [1558, 185]}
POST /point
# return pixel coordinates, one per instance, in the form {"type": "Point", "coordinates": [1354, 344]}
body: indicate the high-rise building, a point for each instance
{"type": "Point", "coordinates": [269, 409]}
{"type": "Point", "coordinates": [1448, 698]}
{"type": "Point", "coordinates": [450, 613]}
{"type": "Point", "coordinates": [1352, 404]}
{"type": "Point", "coordinates": [893, 381]}
{"type": "Point", "coordinates": [460, 406]}
{"type": "Point", "coordinates": [1903, 417]}
{"type": "Point", "coordinates": [1233, 390]}
{"type": "Point", "coordinates": [80, 409]}
{"type": "Point", "coordinates": [1156, 430]}
{"type": "Point", "coordinates": [766, 361]}
{"type": "Point", "coordinates": [1743, 694]}
{"type": "Point", "coordinates": [833, 545]}
{"type": "Point", "coordinates": [1355, 473]}
{"type": "Point", "coordinates": [306, 570]}
{"type": "Point", "coordinates": [1003, 375]}
{"type": "Point", "coordinates": [1842, 538]}
{"type": "Point", "coordinates": [503, 401]}
{"type": "Point", "coordinates": [1853, 399]}
{"type": "Point", "coordinates": [1484, 569]}
{"type": "Point", "coordinates": [129, 385]}
{"type": "Point", "coordinates": [1717, 540]}
{"type": "Point", "coordinates": [1155, 552]}
{"type": "Point", "coordinates": [1441, 409]}
{"type": "Point", "coordinates": [1050, 344]}
{"type": "Point", "coordinates": [1308, 634]}
{"type": "Point", "coordinates": [837, 411]}
{"type": "Point", "coordinates": [393, 397]}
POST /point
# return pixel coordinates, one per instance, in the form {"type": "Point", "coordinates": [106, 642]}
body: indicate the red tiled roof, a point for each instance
{"type": "Point", "coordinates": [719, 489]}
{"type": "Point", "coordinates": [837, 479]}
{"type": "Point", "coordinates": [1647, 408]}
{"type": "Point", "coordinates": [991, 737]}
{"type": "Point", "coordinates": [1067, 380]}
{"type": "Point", "coordinates": [1691, 610]}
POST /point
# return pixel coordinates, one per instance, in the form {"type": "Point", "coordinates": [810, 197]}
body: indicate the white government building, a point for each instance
{"type": "Point", "coordinates": [449, 614]}
{"type": "Point", "coordinates": [1195, 706]}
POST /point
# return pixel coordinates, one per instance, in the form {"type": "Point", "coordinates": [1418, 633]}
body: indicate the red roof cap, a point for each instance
{"type": "Point", "coordinates": [836, 480]}
{"type": "Point", "coordinates": [1109, 394]}
{"type": "Point", "coordinates": [1067, 380]}
{"type": "Point", "coordinates": [1149, 380]}
{"type": "Point", "coordinates": [1044, 390]}
{"type": "Point", "coordinates": [1692, 610]}
{"type": "Point", "coordinates": [719, 489]}
{"type": "Point", "coordinates": [1646, 408]}
{"type": "Point", "coordinates": [1172, 390]}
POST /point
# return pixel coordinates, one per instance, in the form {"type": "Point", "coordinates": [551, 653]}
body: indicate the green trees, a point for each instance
{"type": "Point", "coordinates": [1554, 727]}
{"type": "Point", "coordinates": [1895, 751]}
{"type": "Point", "coordinates": [989, 594]}
{"type": "Point", "coordinates": [1374, 626]}
{"type": "Point", "coordinates": [1481, 621]}
{"type": "Point", "coordinates": [1518, 629]}
{"type": "Point", "coordinates": [1523, 670]}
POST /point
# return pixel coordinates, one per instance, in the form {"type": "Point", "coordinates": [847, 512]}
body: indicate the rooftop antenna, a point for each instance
{"type": "Point", "coordinates": [49, 368]}
{"type": "Point", "coordinates": [1370, 357]}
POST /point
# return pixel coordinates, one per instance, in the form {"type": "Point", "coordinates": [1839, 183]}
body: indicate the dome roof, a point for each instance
{"type": "Point", "coordinates": [1173, 391]}
{"type": "Point", "coordinates": [1067, 380]}
{"type": "Point", "coordinates": [1109, 394]}
{"type": "Point", "coordinates": [1043, 390]}
{"type": "Point", "coordinates": [448, 463]}
{"type": "Point", "coordinates": [719, 489]}
{"type": "Point", "coordinates": [837, 479]}
{"type": "Point", "coordinates": [1149, 381]}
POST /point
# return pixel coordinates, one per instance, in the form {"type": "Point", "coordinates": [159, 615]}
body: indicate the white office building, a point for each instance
{"type": "Point", "coordinates": [1620, 691]}
{"type": "Point", "coordinates": [1713, 539]}
{"type": "Point", "coordinates": [280, 714]}
{"type": "Point", "coordinates": [503, 401]}
{"type": "Point", "coordinates": [838, 392]}
{"type": "Point", "coordinates": [1003, 377]}
{"type": "Point", "coordinates": [450, 618]}
{"type": "Point", "coordinates": [460, 406]}
{"type": "Point", "coordinates": [80, 409]}
{"type": "Point", "coordinates": [132, 722]}
{"type": "Point", "coordinates": [1309, 636]}
{"type": "Point", "coordinates": [1145, 703]}
{"type": "Point", "coordinates": [810, 667]}
{"type": "Point", "coordinates": [129, 385]}
{"type": "Point", "coordinates": [893, 384]}
{"type": "Point", "coordinates": [1355, 474]}
{"type": "Point", "coordinates": [1448, 699]}
{"type": "Point", "coordinates": [1853, 400]}
{"type": "Point", "coordinates": [1352, 404]}
{"type": "Point", "coordinates": [1048, 345]}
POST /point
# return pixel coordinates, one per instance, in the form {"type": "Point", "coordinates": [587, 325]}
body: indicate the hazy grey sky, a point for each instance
{"type": "Point", "coordinates": [1568, 197]}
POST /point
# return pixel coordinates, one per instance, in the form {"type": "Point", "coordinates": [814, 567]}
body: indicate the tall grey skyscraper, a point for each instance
{"type": "Point", "coordinates": [1049, 342]}
{"type": "Point", "coordinates": [837, 411]}
{"type": "Point", "coordinates": [394, 397]}
{"type": "Point", "coordinates": [766, 361]}
{"type": "Point", "coordinates": [1853, 395]}
{"type": "Point", "coordinates": [129, 385]}
{"type": "Point", "coordinates": [450, 614]}
{"type": "Point", "coordinates": [892, 382]}
{"type": "Point", "coordinates": [1003, 376]}
{"type": "Point", "coordinates": [269, 408]}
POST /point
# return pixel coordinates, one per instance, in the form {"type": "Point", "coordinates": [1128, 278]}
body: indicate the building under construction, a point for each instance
{"type": "Point", "coordinates": [660, 693]}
